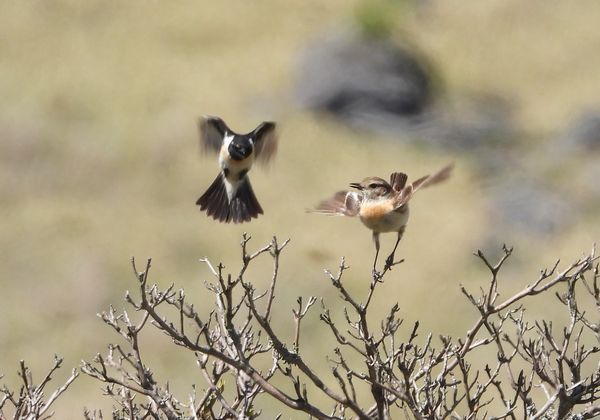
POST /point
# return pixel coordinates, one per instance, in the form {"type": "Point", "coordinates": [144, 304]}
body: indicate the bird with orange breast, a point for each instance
{"type": "Point", "coordinates": [381, 206]}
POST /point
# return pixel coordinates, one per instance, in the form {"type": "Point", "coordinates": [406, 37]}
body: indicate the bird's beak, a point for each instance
{"type": "Point", "coordinates": [356, 185]}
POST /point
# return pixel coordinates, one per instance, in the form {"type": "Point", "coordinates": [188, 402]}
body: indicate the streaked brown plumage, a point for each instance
{"type": "Point", "coordinates": [381, 206]}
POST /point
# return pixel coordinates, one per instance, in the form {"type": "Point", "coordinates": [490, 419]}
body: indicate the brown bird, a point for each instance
{"type": "Point", "coordinates": [230, 197]}
{"type": "Point", "coordinates": [381, 206]}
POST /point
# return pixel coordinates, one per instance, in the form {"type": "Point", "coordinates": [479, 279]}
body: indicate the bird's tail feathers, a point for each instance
{"type": "Point", "coordinates": [215, 200]}
{"type": "Point", "coordinates": [243, 205]}
{"type": "Point", "coordinates": [398, 180]}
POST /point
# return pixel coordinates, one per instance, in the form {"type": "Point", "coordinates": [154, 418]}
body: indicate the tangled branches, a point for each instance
{"type": "Point", "coordinates": [539, 371]}
{"type": "Point", "coordinates": [30, 403]}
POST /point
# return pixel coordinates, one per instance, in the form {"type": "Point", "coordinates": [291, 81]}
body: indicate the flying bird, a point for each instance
{"type": "Point", "coordinates": [381, 206]}
{"type": "Point", "coordinates": [230, 197]}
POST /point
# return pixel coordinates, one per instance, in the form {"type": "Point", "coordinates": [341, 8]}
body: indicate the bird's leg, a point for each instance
{"type": "Point", "coordinates": [376, 241]}
{"type": "Point", "coordinates": [389, 262]}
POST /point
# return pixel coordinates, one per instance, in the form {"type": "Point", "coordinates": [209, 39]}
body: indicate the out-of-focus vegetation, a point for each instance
{"type": "Point", "coordinates": [99, 158]}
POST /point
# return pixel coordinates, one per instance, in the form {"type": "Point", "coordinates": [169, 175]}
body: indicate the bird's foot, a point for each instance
{"type": "Point", "coordinates": [389, 262]}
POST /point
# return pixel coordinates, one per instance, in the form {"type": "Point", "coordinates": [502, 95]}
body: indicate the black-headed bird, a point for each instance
{"type": "Point", "coordinates": [230, 197]}
{"type": "Point", "coordinates": [381, 206]}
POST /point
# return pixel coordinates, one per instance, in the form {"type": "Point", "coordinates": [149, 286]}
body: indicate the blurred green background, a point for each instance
{"type": "Point", "coordinates": [100, 161]}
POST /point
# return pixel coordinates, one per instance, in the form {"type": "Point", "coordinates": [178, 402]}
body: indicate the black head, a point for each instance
{"type": "Point", "coordinates": [240, 147]}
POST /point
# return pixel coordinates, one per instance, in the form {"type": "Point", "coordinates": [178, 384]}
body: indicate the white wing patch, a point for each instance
{"type": "Point", "coordinates": [343, 203]}
{"type": "Point", "coordinates": [352, 203]}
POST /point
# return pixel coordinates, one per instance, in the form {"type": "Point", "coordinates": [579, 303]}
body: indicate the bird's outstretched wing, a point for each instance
{"type": "Point", "coordinates": [343, 203]}
{"type": "Point", "coordinates": [265, 141]}
{"type": "Point", "coordinates": [429, 180]}
{"type": "Point", "coordinates": [423, 182]}
{"type": "Point", "coordinates": [212, 130]}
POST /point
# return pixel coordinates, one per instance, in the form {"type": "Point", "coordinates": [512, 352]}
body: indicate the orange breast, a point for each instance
{"type": "Point", "coordinates": [375, 211]}
{"type": "Point", "coordinates": [381, 217]}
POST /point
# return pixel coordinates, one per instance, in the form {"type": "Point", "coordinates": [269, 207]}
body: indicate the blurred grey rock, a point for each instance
{"type": "Point", "coordinates": [582, 134]}
{"type": "Point", "coordinates": [530, 207]}
{"type": "Point", "coordinates": [377, 86]}
{"type": "Point", "coordinates": [355, 77]}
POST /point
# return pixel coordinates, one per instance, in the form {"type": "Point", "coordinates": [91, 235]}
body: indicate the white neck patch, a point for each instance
{"type": "Point", "coordinates": [227, 139]}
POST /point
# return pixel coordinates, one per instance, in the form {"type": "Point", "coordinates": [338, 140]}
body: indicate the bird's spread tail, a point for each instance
{"type": "Point", "coordinates": [242, 207]}
{"type": "Point", "coordinates": [215, 200]}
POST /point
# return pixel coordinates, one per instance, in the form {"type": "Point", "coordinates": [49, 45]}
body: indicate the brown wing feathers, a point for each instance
{"type": "Point", "coordinates": [212, 130]}
{"type": "Point", "coordinates": [265, 137]}
{"type": "Point", "coordinates": [343, 203]}
{"type": "Point", "coordinates": [423, 182]}
{"type": "Point", "coordinates": [428, 180]}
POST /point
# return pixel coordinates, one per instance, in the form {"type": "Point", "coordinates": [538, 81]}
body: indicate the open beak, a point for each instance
{"type": "Point", "coordinates": [356, 185]}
